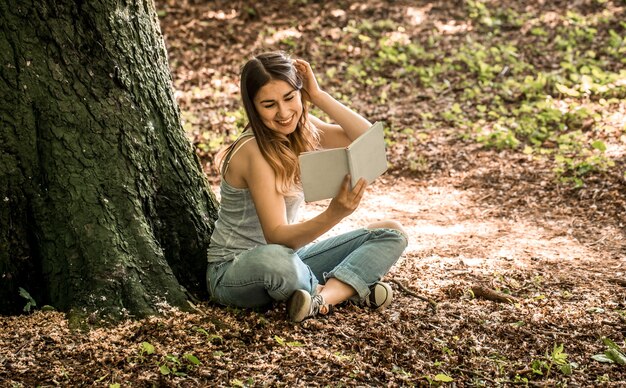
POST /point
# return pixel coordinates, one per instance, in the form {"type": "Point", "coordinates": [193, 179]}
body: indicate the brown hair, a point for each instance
{"type": "Point", "coordinates": [279, 150]}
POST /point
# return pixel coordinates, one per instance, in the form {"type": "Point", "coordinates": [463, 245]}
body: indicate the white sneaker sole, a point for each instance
{"type": "Point", "coordinates": [383, 295]}
{"type": "Point", "coordinates": [299, 305]}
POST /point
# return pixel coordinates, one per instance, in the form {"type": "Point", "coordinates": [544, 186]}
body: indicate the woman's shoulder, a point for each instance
{"type": "Point", "coordinates": [246, 159]}
{"type": "Point", "coordinates": [247, 148]}
{"type": "Point", "coordinates": [244, 154]}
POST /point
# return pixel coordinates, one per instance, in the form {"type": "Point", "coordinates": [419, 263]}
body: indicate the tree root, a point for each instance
{"type": "Point", "coordinates": [494, 296]}
{"type": "Point", "coordinates": [404, 288]}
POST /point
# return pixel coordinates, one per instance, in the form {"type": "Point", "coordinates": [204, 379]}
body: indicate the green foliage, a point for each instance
{"type": "Point", "coordinates": [343, 357]}
{"type": "Point", "coordinates": [213, 338]}
{"type": "Point", "coordinates": [515, 80]}
{"type": "Point", "coordinates": [242, 384]}
{"type": "Point", "coordinates": [439, 379]}
{"type": "Point", "coordinates": [30, 302]}
{"type": "Point", "coordinates": [493, 19]}
{"type": "Point", "coordinates": [167, 365]}
{"type": "Point", "coordinates": [401, 372]}
{"type": "Point", "coordinates": [498, 136]}
{"type": "Point", "coordinates": [443, 378]}
{"type": "Point", "coordinates": [505, 100]}
{"type": "Point", "coordinates": [146, 348]}
{"type": "Point", "coordinates": [209, 141]}
{"type": "Point", "coordinates": [556, 358]}
{"type": "Point", "coordinates": [283, 342]}
{"type": "Point", "coordinates": [613, 354]}
{"type": "Point", "coordinates": [530, 111]}
{"type": "Point", "coordinates": [173, 365]}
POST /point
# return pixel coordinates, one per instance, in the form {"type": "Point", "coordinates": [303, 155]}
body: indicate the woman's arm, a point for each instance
{"type": "Point", "coordinates": [331, 135]}
{"type": "Point", "coordinates": [350, 124]}
{"type": "Point", "coordinates": [270, 204]}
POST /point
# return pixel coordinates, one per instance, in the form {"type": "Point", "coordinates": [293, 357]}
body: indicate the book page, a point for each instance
{"type": "Point", "coordinates": [367, 156]}
{"type": "Point", "coordinates": [322, 173]}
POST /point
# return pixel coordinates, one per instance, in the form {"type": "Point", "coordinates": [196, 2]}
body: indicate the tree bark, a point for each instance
{"type": "Point", "coordinates": [103, 204]}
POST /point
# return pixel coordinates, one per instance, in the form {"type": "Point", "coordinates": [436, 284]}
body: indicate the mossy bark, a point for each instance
{"type": "Point", "coordinates": [103, 205]}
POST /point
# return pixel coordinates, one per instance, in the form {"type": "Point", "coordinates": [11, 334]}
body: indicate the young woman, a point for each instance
{"type": "Point", "coordinates": [258, 252]}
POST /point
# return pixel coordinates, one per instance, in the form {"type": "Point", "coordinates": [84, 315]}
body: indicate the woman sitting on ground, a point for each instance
{"type": "Point", "coordinates": [259, 254]}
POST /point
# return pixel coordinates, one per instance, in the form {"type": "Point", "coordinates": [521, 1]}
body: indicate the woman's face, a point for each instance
{"type": "Point", "coordinates": [279, 105]}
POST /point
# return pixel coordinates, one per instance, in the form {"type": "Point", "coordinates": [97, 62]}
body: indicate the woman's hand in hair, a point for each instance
{"type": "Point", "coordinates": [311, 87]}
{"type": "Point", "coordinates": [346, 201]}
{"type": "Point", "coordinates": [351, 124]}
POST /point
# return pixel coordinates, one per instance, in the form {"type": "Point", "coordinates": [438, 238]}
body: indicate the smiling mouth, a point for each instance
{"type": "Point", "coordinates": [286, 122]}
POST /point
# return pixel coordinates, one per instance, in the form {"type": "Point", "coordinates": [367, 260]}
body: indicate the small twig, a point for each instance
{"type": "Point", "coordinates": [404, 288]}
{"type": "Point", "coordinates": [598, 241]}
{"type": "Point", "coordinates": [18, 350]}
{"type": "Point", "coordinates": [523, 371]}
{"type": "Point", "coordinates": [621, 282]}
{"type": "Point", "coordinates": [495, 296]}
{"type": "Point", "coordinates": [484, 197]}
{"type": "Point", "coordinates": [344, 335]}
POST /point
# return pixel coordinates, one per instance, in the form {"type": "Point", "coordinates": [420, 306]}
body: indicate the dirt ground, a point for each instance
{"type": "Point", "coordinates": [550, 256]}
{"type": "Point", "coordinates": [510, 278]}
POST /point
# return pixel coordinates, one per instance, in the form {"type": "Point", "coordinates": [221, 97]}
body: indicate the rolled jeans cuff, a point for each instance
{"type": "Point", "coordinates": [350, 278]}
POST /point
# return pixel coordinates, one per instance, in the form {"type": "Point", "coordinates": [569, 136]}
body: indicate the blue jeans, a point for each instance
{"type": "Point", "coordinates": [268, 273]}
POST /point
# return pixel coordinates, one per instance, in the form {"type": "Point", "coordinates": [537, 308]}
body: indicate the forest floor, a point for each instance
{"type": "Point", "coordinates": [511, 277]}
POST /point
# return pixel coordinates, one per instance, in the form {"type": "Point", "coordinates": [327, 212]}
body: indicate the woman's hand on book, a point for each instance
{"type": "Point", "coordinates": [346, 201]}
{"type": "Point", "coordinates": [310, 85]}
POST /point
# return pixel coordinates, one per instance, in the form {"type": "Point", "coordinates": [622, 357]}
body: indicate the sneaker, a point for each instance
{"type": "Point", "coordinates": [302, 305]}
{"type": "Point", "coordinates": [380, 296]}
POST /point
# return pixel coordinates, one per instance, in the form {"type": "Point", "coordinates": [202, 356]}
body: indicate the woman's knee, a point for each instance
{"type": "Point", "coordinates": [273, 257]}
{"type": "Point", "coordinates": [284, 271]}
{"type": "Point", "coordinates": [389, 224]}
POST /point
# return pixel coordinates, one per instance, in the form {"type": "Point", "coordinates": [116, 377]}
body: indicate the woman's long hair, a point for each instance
{"type": "Point", "coordinates": [280, 151]}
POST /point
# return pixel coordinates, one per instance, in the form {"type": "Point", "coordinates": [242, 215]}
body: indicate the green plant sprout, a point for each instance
{"type": "Point", "coordinates": [30, 302]}
{"type": "Point", "coordinates": [612, 355]}
{"type": "Point", "coordinates": [556, 358]}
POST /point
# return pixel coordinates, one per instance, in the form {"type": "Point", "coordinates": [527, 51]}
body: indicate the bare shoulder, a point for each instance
{"type": "Point", "coordinates": [246, 160]}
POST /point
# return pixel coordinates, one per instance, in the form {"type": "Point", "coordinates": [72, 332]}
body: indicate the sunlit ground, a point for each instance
{"type": "Point", "coordinates": [445, 222]}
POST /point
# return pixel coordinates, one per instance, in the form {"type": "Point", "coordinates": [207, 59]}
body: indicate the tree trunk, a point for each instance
{"type": "Point", "coordinates": [103, 205]}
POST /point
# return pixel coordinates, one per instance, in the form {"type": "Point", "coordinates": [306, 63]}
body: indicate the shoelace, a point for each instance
{"type": "Point", "coordinates": [318, 306]}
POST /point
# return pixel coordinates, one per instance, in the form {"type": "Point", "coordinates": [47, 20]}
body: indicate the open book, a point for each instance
{"type": "Point", "coordinates": [323, 171]}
